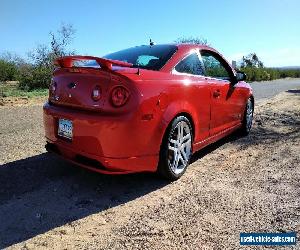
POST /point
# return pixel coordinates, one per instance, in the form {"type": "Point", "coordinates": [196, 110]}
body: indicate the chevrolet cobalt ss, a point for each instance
{"type": "Point", "coordinates": [144, 109]}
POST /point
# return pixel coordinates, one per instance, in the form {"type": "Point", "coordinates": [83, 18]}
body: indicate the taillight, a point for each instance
{"type": "Point", "coordinates": [96, 93]}
{"type": "Point", "coordinates": [119, 96]}
{"type": "Point", "coordinates": [53, 87]}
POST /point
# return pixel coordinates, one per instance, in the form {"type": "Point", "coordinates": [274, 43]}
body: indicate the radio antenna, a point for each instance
{"type": "Point", "coordinates": [151, 42]}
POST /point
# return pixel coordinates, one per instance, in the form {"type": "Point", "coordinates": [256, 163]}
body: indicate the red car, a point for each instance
{"type": "Point", "coordinates": [144, 109]}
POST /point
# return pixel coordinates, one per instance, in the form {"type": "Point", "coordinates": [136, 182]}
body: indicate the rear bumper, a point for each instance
{"type": "Point", "coordinates": [104, 165]}
{"type": "Point", "coordinates": [102, 143]}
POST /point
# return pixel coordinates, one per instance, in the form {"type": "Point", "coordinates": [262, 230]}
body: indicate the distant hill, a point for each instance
{"type": "Point", "coordinates": [287, 67]}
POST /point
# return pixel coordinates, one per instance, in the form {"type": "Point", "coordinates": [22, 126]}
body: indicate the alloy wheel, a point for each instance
{"type": "Point", "coordinates": [249, 115]}
{"type": "Point", "coordinates": [179, 147]}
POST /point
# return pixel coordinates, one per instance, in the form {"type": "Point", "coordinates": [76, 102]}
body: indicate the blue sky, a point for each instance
{"type": "Point", "coordinates": [271, 28]}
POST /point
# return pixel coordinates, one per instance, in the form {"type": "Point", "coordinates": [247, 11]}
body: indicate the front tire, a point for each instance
{"type": "Point", "coordinates": [248, 118]}
{"type": "Point", "coordinates": [176, 149]}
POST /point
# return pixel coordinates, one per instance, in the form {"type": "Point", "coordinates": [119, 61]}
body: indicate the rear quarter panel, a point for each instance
{"type": "Point", "coordinates": [165, 96]}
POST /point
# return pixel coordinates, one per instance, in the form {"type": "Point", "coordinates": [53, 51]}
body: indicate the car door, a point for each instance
{"type": "Point", "coordinates": [190, 72]}
{"type": "Point", "coordinates": [225, 103]}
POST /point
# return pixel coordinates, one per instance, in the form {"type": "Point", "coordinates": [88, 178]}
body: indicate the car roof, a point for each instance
{"type": "Point", "coordinates": [189, 46]}
{"type": "Point", "coordinates": [192, 45]}
{"type": "Point", "coordinates": [183, 47]}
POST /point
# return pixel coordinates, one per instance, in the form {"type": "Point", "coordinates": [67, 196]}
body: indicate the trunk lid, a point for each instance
{"type": "Point", "coordinates": [77, 76]}
{"type": "Point", "coordinates": [75, 89]}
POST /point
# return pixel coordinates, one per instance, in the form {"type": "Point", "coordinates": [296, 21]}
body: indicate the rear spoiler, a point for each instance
{"type": "Point", "coordinates": [67, 62]}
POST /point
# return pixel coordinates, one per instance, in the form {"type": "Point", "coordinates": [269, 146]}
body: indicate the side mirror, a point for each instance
{"type": "Point", "coordinates": [240, 76]}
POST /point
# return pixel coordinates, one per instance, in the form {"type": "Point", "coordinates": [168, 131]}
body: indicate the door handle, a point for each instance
{"type": "Point", "coordinates": [216, 93]}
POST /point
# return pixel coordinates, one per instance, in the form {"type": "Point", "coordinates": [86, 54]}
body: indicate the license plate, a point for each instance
{"type": "Point", "coordinates": [65, 128]}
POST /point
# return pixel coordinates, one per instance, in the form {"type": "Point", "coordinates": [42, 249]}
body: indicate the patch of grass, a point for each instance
{"type": "Point", "coordinates": [11, 89]}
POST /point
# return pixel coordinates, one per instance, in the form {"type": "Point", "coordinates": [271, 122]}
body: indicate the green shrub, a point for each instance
{"type": "Point", "coordinates": [33, 77]}
{"type": "Point", "coordinates": [267, 74]}
{"type": "Point", "coordinates": [8, 71]}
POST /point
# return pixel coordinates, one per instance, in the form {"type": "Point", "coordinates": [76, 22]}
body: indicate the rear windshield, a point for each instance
{"type": "Point", "coordinates": [145, 56]}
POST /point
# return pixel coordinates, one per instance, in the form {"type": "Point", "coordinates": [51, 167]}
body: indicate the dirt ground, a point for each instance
{"type": "Point", "coordinates": [249, 184]}
{"type": "Point", "coordinates": [21, 101]}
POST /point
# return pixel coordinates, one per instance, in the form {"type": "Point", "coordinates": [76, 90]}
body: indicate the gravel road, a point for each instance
{"type": "Point", "coordinates": [264, 90]}
{"type": "Point", "coordinates": [236, 185]}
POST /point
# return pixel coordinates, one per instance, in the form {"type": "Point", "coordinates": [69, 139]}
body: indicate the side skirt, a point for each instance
{"type": "Point", "coordinates": [199, 145]}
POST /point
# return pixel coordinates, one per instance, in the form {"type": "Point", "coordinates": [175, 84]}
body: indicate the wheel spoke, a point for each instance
{"type": "Point", "coordinates": [173, 141]}
{"type": "Point", "coordinates": [172, 148]}
{"type": "Point", "coordinates": [187, 137]}
{"type": "Point", "coordinates": [180, 132]}
{"type": "Point", "coordinates": [187, 143]}
{"type": "Point", "coordinates": [184, 156]}
{"type": "Point", "coordinates": [176, 160]}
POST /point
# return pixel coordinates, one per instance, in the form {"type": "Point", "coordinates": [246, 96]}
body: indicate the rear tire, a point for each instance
{"type": "Point", "coordinates": [248, 118]}
{"type": "Point", "coordinates": [176, 149]}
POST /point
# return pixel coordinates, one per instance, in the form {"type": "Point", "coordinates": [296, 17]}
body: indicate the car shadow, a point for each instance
{"type": "Point", "coordinates": [44, 192]}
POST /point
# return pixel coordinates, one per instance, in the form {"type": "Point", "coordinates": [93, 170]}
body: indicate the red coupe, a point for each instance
{"type": "Point", "coordinates": [144, 109]}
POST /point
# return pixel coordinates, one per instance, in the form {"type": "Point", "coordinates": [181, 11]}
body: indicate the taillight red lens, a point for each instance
{"type": "Point", "coordinates": [96, 93]}
{"type": "Point", "coordinates": [119, 96]}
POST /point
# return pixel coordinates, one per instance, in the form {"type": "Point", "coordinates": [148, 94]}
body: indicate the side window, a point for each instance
{"type": "Point", "coordinates": [146, 60]}
{"type": "Point", "coordinates": [214, 67]}
{"type": "Point", "coordinates": [190, 65]}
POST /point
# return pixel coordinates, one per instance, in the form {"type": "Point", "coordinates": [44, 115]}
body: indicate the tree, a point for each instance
{"type": "Point", "coordinates": [61, 40]}
{"type": "Point", "coordinates": [12, 58]}
{"type": "Point", "coordinates": [193, 40]}
{"type": "Point", "coordinates": [8, 71]}
{"type": "Point", "coordinates": [38, 73]}
{"type": "Point", "coordinates": [252, 61]}
{"type": "Point", "coordinates": [9, 64]}
{"type": "Point", "coordinates": [44, 55]}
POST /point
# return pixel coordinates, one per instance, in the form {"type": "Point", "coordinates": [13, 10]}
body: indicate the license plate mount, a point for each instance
{"type": "Point", "coordinates": [65, 128]}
